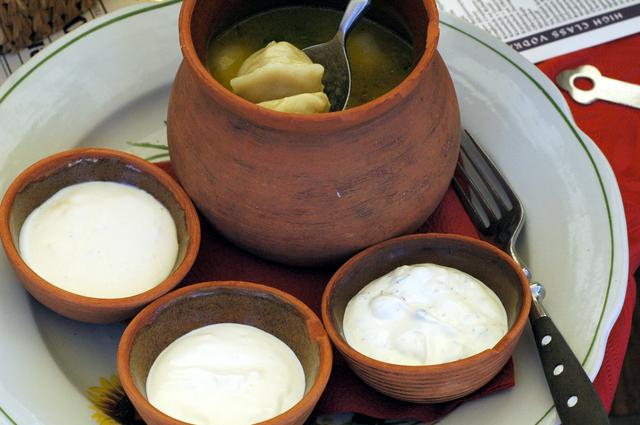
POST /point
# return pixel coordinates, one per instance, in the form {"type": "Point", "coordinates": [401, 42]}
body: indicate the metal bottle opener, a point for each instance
{"type": "Point", "coordinates": [603, 88]}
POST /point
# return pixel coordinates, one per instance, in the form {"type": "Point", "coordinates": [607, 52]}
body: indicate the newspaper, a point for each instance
{"type": "Point", "coordinates": [542, 29]}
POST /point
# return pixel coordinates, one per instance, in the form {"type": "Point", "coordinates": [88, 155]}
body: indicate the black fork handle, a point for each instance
{"type": "Point", "coordinates": [575, 398]}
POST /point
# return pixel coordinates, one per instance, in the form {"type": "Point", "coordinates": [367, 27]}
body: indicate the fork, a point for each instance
{"type": "Point", "coordinates": [498, 214]}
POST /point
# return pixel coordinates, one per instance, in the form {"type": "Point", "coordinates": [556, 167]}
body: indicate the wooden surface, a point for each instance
{"type": "Point", "coordinates": [23, 23]}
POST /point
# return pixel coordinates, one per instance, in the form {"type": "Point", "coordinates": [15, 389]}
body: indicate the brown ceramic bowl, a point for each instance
{"type": "Point", "coordinates": [192, 307]}
{"type": "Point", "coordinates": [442, 382]}
{"type": "Point", "coordinates": [310, 189]}
{"type": "Point", "coordinates": [41, 180]}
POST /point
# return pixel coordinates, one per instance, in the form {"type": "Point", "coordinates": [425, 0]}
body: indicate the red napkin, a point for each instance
{"type": "Point", "coordinates": [220, 260]}
{"type": "Point", "coordinates": [616, 131]}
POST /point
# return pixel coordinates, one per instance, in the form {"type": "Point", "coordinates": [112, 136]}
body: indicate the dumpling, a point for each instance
{"type": "Point", "coordinates": [277, 71]}
{"type": "Point", "coordinates": [305, 103]}
{"type": "Point", "coordinates": [281, 77]}
{"type": "Point", "coordinates": [275, 52]}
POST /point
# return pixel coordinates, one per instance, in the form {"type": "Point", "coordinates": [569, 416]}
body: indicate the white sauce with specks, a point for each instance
{"type": "Point", "coordinates": [225, 374]}
{"type": "Point", "coordinates": [101, 240]}
{"type": "Point", "coordinates": [424, 314]}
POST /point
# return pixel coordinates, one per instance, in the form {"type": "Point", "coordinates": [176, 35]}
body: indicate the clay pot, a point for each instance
{"type": "Point", "coordinates": [309, 189]}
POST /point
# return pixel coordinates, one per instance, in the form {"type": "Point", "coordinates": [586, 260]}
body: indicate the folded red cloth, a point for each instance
{"type": "Point", "coordinates": [616, 130]}
{"type": "Point", "coordinates": [220, 260]}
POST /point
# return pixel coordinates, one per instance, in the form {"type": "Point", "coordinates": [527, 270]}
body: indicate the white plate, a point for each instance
{"type": "Point", "coordinates": [108, 83]}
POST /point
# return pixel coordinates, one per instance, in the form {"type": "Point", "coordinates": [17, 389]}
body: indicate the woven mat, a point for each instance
{"type": "Point", "coordinates": [24, 22]}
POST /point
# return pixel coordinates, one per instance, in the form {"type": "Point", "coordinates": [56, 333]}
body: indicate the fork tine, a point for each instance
{"type": "Point", "coordinates": [473, 199]}
{"type": "Point", "coordinates": [479, 189]}
{"type": "Point", "coordinates": [487, 184]}
{"type": "Point", "coordinates": [488, 172]}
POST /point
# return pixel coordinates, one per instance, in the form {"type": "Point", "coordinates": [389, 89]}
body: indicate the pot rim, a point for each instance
{"type": "Point", "coordinates": [311, 122]}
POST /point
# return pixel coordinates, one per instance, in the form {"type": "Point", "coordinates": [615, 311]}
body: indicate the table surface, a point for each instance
{"type": "Point", "coordinates": [616, 131]}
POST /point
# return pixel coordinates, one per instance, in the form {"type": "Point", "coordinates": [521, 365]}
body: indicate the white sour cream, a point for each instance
{"type": "Point", "coordinates": [100, 239]}
{"type": "Point", "coordinates": [226, 374]}
{"type": "Point", "coordinates": [424, 314]}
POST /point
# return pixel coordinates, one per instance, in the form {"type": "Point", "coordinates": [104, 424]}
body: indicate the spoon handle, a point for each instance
{"type": "Point", "coordinates": [351, 15]}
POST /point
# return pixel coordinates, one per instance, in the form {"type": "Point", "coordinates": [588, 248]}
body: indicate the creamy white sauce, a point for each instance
{"type": "Point", "coordinates": [101, 240]}
{"type": "Point", "coordinates": [424, 314]}
{"type": "Point", "coordinates": [226, 374]}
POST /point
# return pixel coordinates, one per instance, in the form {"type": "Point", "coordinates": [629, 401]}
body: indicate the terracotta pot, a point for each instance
{"type": "Point", "coordinates": [309, 189]}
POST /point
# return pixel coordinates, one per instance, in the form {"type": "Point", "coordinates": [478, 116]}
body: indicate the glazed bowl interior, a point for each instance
{"type": "Point", "coordinates": [192, 307]}
{"type": "Point", "coordinates": [407, 18]}
{"type": "Point", "coordinates": [90, 168]}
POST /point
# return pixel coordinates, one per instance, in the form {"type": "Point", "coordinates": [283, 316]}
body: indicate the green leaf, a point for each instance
{"type": "Point", "coordinates": [158, 156]}
{"type": "Point", "coordinates": [148, 145]}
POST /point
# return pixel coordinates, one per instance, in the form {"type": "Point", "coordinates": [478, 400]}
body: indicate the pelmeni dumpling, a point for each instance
{"type": "Point", "coordinates": [305, 103]}
{"type": "Point", "coordinates": [275, 75]}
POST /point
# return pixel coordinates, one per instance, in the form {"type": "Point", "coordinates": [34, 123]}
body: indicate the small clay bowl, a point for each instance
{"type": "Point", "coordinates": [192, 307]}
{"type": "Point", "coordinates": [43, 179]}
{"type": "Point", "coordinates": [441, 382]}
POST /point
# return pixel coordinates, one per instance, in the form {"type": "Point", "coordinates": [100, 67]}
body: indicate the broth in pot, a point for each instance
{"type": "Point", "coordinates": [379, 58]}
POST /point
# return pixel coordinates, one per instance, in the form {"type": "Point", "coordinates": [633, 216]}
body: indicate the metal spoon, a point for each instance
{"type": "Point", "coordinates": [333, 56]}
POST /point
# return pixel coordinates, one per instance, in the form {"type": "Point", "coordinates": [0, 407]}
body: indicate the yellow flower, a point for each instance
{"type": "Point", "coordinates": [111, 405]}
